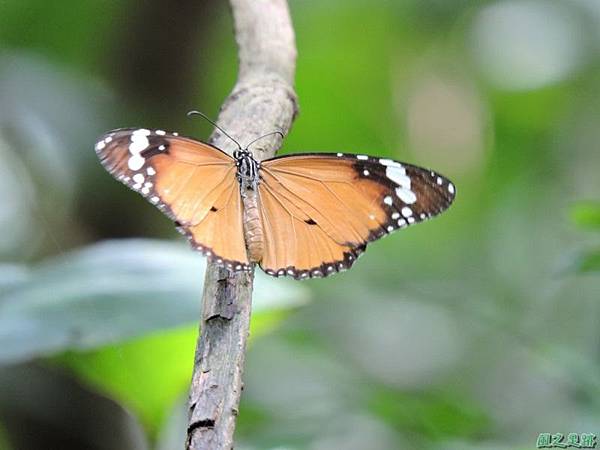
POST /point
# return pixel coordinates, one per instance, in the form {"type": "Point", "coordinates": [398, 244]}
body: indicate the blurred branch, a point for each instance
{"type": "Point", "coordinates": [262, 100]}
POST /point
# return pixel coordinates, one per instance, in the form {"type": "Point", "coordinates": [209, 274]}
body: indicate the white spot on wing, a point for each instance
{"type": "Point", "coordinates": [340, 154]}
{"type": "Point", "coordinates": [366, 173]}
{"type": "Point", "coordinates": [389, 162]}
{"type": "Point", "coordinates": [388, 200]}
{"type": "Point", "coordinates": [398, 176]}
{"type": "Point", "coordinates": [439, 180]}
{"type": "Point", "coordinates": [363, 157]}
{"type": "Point", "coordinates": [451, 188]}
{"type": "Point", "coordinates": [135, 162]}
{"type": "Point", "coordinates": [395, 215]}
{"type": "Point", "coordinates": [406, 211]}
{"type": "Point", "coordinates": [406, 195]}
{"type": "Point", "coordinates": [139, 141]}
{"type": "Point", "coordinates": [160, 132]}
{"type": "Point", "coordinates": [150, 171]}
{"type": "Point", "coordinates": [138, 178]}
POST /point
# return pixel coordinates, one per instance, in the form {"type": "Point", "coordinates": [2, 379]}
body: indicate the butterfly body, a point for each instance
{"type": "Point", "coordinates": [248, 177]}
{"type": "Point", "coordinates": [305, 215]}
{"type": "Point", "coordinates": [247, 169]}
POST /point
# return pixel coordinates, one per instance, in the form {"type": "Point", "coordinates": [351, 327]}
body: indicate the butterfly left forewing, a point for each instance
{"type": "Point", "coordinates": [336, 203]}
{"type": "Point", "coordinates": [193, 183]}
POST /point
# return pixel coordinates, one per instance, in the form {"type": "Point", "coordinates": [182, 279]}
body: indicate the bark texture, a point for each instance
{"type": "Point", "coordinates": [263, 100]}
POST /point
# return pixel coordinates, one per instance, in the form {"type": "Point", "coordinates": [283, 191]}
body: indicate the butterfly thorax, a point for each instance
{"type": "Point", "coordinates": [247, 174]}
{"type": "Point", "coordinates": [247, 169]}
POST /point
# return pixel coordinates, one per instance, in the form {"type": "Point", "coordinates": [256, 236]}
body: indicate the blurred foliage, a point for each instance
{"type": "Point", "coordinates": [110, 292]}
{"type": "Point", "coordinates": [128, 371]}
{"type": "Point", "coordinates": [587, 215]}
{"type": "Point", "coordinates": [586, 261]}
{"type": "Point", "coordinates": [431, 414]}
{"type": "Point", "coordinates": [477, 330]}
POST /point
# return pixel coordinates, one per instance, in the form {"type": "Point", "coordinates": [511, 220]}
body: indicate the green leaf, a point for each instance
{"type": "Point", "coordinates": [110, 292]}
{"type": "Point", "coordinates": [145, 374]}
{"type": "Point", "coordinates": [587, 215]}
{"type": "Point", "coordinates": [149, 374]}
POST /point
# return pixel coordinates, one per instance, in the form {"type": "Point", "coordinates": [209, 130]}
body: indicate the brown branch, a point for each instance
{"type": "Point", "coordinates": [262, 100]}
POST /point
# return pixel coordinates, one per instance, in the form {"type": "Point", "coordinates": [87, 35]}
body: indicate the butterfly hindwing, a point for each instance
{"type": "Point", "coordinates": [193, 183]}
{"type": "Point", "coordinates": [320, 210]}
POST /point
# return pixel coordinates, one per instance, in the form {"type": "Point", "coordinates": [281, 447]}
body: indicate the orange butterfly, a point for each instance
{"type": "Point", "coordinates": [305, 215]}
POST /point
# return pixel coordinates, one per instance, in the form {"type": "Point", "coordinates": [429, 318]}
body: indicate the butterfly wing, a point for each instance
{"type": "Point", "coordinates": [320, 210]}
{"type": "Point", "coordinates": [193, 183]}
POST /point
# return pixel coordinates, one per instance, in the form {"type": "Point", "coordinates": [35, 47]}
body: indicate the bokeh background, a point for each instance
{"type": "Point", "coordinates": [477, 330]}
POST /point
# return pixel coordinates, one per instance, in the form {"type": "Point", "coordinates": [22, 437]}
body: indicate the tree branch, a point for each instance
{"type": "Point", "coordinates": [262, 100]}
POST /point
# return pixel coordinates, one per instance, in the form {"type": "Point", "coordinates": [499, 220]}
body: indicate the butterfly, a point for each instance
{"type": "Point", "coordinates": [302, 215]}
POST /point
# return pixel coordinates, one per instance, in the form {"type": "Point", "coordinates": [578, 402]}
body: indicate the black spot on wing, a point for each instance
{"type": "Point", "coordinates": [158, 145]}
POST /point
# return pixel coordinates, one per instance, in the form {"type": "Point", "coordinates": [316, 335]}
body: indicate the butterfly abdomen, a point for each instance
{"type": "Point", "coordinates": [253, 230]}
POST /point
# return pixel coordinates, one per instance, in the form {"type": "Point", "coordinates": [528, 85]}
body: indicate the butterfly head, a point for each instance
{"type": "Point", "coordinates": [241, 153]}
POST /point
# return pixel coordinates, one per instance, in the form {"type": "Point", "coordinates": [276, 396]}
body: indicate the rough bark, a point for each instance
{"type": "Point", "coordinates": [262, 100]}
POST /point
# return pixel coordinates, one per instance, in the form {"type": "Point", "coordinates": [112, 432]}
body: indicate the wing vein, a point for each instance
{"type": "Point", "coordinates": [343, 203]}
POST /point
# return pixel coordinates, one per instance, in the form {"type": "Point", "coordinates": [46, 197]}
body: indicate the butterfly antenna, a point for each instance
{"type": "Point", "coordinates": [265, 135]}
{"type": "Point", "coordinates": [198, 113]}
